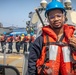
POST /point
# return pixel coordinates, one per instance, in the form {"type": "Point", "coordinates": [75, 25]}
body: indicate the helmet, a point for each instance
{"type": "Point", "coordinates": [54, 5]}
{"type": "Point", "coordinates": [25, 34]}
{"type": "Point", "coordinates": [31, 33]}
{"type": "Point", "coordinates": [22, 34]}
{"type": "Point", "coordinates": [4, 33]}
{"type": "Point", "coordinates": [11, 34]}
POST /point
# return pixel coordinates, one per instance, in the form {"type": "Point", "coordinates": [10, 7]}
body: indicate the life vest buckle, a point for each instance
{"type": "Point", "coordinates": [61, 43]}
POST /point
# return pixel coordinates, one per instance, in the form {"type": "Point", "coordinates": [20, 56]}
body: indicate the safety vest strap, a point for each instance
{"type": "Point", "coordinates": [47, 49]}
{"type": "Point", "coordinates": [59, 43]}
{"type": "Point", "coordinates": [62, 37]}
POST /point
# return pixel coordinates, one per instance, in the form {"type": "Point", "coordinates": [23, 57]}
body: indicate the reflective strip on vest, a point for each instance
{"type": "Point", "coordinates": [53, 49]}
{"type": "Point", "coordinates": [66, 54]}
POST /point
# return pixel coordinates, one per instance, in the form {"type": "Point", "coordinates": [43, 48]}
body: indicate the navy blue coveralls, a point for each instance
{"type": "Point", "coordinates": [35, 51]}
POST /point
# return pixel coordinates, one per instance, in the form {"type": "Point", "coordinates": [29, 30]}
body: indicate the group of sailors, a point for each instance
{"type": "Point", "coordinates": [20, 41]}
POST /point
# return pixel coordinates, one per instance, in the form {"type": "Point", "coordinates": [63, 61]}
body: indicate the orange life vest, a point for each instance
{"type": "Point", "coordinates": [10, 39]}
{"type": "Point", "coordinates": [2, 38]}
{"type": "Point", "coordinates": [25, 39]}
{"type": "Point", "coordinates": [59, 56]}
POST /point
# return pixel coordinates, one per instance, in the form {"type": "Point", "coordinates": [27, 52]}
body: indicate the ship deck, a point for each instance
{"type": "Point", "coordinates": [13, 59]}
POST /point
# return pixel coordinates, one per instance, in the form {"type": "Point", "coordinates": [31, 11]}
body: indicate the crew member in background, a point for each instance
{"type": "Point", "coordinates": [25, 40]}
{"type": "Point", "coordinates": [31, 40]}
{"type": "Point", "coordinates": [31, 37]}
{"type": "Point", "coordinates": [21, 43]}
{"type": "Point", "coordinates": [17, 40]}
{"type": "Point", "coordinates": [10, 43]}
{"type": "Point", "coordinates": [3, 41]}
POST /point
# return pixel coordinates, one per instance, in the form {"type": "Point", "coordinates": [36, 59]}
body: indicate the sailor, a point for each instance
{"type": "Point", "coordinates": [17, 40]}
{"type": "Point", "coordinates": [50, 54]}
{"type": "Point", "coordinates": [31, 37]}
{"type": "Point", "coordinates": [10, 43]}
{"type": "Point", "coordinates": [3, 41]}
{"type": "Point", "coordinates": [25, 40]}
{"type": "Point", "coordinates": [21, 43]}
{"type": "Point", "coordinates": [31, 40]}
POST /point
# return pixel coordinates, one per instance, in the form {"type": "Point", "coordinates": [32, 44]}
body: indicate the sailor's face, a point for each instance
{"type": "Point", "coordinates": [56, 18]}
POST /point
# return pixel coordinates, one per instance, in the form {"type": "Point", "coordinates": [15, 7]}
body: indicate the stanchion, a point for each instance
{"type": "Point", "coordinates": [4, 60]}
{"type": "Point", "coordinates": [25, 64]}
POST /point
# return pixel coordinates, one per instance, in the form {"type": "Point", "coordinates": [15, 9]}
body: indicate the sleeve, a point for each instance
{"type": "Point", "coordinates": [35, 51]}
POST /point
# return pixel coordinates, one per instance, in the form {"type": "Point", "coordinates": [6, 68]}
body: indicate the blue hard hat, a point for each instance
{"type": "Point", "coordinates": [31, 33]}
{"type": "Point", "coordinates": [54, 4]}
{"type": "Point", "coordinates": [11, 34]}
{"type": "Point", "coordinates": [4, 33]}
{"type": "Point", "coordinates": [25, 34]}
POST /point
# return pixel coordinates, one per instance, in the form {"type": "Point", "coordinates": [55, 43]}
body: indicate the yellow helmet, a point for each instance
{"type": "Point", "coordinates": [22, 34]}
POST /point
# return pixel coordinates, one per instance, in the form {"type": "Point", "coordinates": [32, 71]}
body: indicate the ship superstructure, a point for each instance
{"type": "Point", "coordinates": [35, 24]}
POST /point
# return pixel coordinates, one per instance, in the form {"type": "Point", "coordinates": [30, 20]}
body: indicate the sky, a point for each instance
{"type": "Point", "coordinates": [16, 12]}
